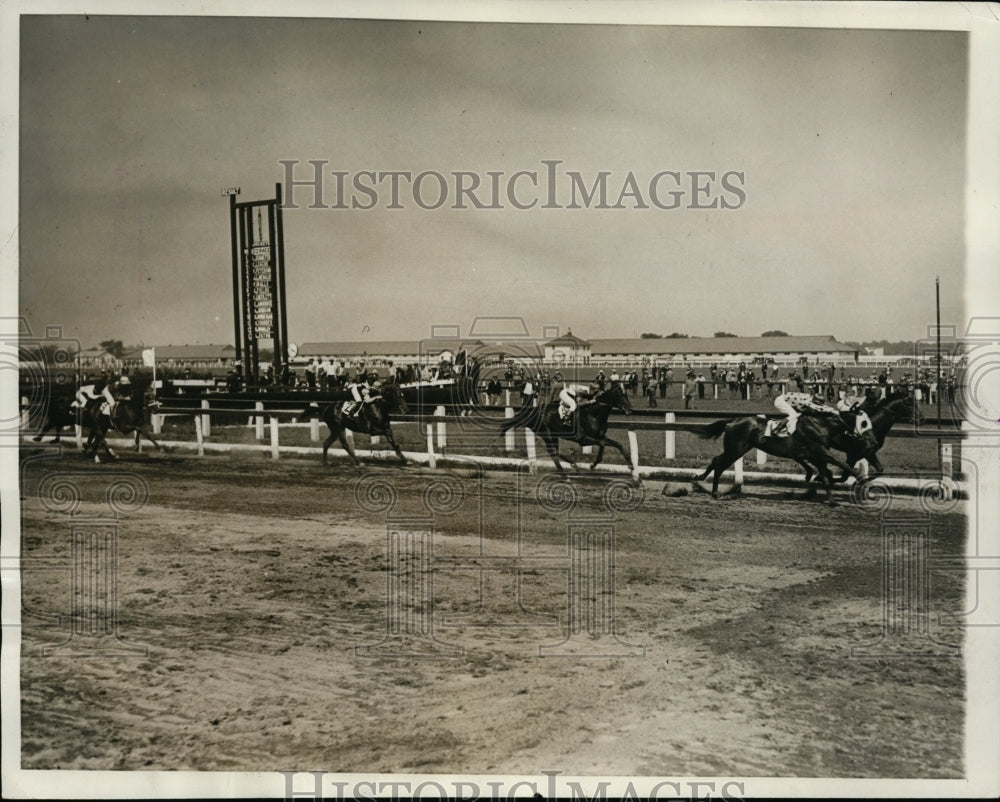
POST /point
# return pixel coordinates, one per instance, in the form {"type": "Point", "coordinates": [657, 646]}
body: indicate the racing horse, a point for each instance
{"type": "Point", "coordinates": [371, 419]}
{"type": "Point", "coordinates": [883, 416]}
{"type": "Point", "coordinates": [587, 426]}
{"type": "Point", "coordinates": [809, 446]}
{"type": "Point", "coordinates": [58, 414]}
{"type": "Point", "coordinates": [128, 417]}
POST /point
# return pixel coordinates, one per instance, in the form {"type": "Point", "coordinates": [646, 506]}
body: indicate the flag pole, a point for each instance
{"type": "Point", "coordinates": [937, 298]}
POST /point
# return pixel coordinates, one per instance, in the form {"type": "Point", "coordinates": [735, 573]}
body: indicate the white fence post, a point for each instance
{"type": "Point", "coordinates": [206, 419]}
{"type": "Point", "coordinates": [314, 429]}
{"type": "Point", "coordinates": [669, 437]}
{"type": "Point", "coordinates": [506, 397]}
{"type": "Point", "coordinates": [509, 439]}
{"type": "Point", "coordinates": [157, 422]}
{"type": "Point", "coordinates": [862, 469]}
{"type": "Point", "coordinates": [633, 450]}
{"type": "Point", "coordinates": [431, 459]}
{"type": "Point", "coordinates": [274, 437]}
{"type": "Point", "coordinates": [25, 412]}
{"type": "Point", "coordinates": [259, 420]}
{"type": "Point", "coordinates": [529, 443]}
{"type": "Point", "coordinates": [946, 460]}
{"type": "Point", "coordinates": [442, 431]}
{"type": "Point", "coordinates": [738, 480]}
{"type": "Point", "coordinates": [79, 436]}
{"type": "Point", "coordinates": [761, 457]}
{"type": "Point", "coordinates": [198, 436]}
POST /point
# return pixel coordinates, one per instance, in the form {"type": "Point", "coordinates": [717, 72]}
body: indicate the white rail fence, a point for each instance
{"type": "Point", "coordinates": [435, 435]}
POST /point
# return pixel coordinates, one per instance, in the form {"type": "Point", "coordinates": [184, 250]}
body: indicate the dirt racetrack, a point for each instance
{"type": "Point", "coordinates": [254, 600]}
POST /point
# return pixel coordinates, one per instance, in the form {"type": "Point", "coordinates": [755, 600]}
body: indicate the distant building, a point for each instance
{"type": "Point", "coordinates": [97, 358]}
{"type": "Point", "coordinates": [181, 356]}
{"type": "Point", "coordinates": [568, 350]}
{"type": "Point", "coordinates": [781, 350]}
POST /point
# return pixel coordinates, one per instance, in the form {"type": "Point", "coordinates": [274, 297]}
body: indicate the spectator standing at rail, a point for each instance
{"type": "Point", "coordinates": [650, 390]}
{"type": "Point", "coordinates": [493, 389]}
{"type": "Point", "coordinates": [311, 371]}
{"type": "Point", "coordinates": [661, 383]}
{"type": "Point", "coordinates": [527, 393]}
{"type": "Point", "coordinates": [701, 386]}
{"type": "Point", "coordinates": [600, 380]}
{"type": "Point", "coordinates": [689, 389]}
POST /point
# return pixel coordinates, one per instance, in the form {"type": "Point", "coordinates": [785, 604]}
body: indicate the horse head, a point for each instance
{"type": "Point", "coordinates": [393, 399]}
{"type": "Point", "coordinates": [904, 409]}
{"type": "Point", "coordinates": [616, 397]}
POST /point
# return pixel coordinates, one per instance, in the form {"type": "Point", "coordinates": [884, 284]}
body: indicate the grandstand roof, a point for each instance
{"type": "Point", "coordinates": [387, 347]}
{"type": "Point", "coordinates": [818, 343]}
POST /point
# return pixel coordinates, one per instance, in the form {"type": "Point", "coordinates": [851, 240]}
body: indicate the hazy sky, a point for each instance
{"type": "Point", "coordinates": [851, 145]}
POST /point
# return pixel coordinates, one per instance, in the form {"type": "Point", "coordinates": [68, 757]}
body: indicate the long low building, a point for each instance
{"type": "Point", "coordinates": [569, 349]}
{"type": "Point", "coordinates": [699, 350]}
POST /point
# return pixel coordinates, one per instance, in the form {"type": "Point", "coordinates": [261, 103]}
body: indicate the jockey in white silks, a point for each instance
{"type": "Point", "coordinates": [86, 394]}
{"type": "Point", "coordinates": [361, 391]}
{"type": "Point", "coordinates": [109, 394]}
{"type": "Point", "coordinates": [792, 405]}
{"type": "Point", "coordinates": [850, 409]}
{"type": "Point", "coordinates": [570, 397]}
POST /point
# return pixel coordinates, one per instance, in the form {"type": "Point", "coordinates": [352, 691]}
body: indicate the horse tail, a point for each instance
{"type": "Point", "coordinates": [713, 430]}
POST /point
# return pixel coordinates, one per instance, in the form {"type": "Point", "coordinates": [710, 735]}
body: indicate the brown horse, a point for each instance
{"type": "Point", "coordinates": [588, 425]}
{"type": "Point", "coordinates": [128, 417]}
{"type": "Point", "coordinates": [371, 419]}
{"type": "Point", "coordinates": [809, 446]}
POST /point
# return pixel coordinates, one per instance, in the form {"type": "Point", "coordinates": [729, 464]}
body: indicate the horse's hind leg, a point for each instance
{"type": "Point", "coordinates": [342, 436]}
{"type": "Point", "coordinates": [327, 443]}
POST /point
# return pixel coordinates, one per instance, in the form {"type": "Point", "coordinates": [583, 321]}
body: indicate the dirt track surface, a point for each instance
{"type": "Point", "coordinates": [250, 595]}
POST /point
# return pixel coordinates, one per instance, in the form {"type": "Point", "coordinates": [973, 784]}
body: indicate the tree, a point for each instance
{"type": "Point", "coordinates": [677, 335]}
{"type": "Point", "coordinates": [114, 347]}
{"type": "Point", "coordinates": [724, 334]}
{"type": "Point", "coordinates": [648, 335]}
{"type": "Point", "coordinates": [774, 333]}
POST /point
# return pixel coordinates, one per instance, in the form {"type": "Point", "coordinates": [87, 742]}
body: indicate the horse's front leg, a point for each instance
{"type": "Point", "coordinates": [607, 441]}
{"type": "Point", "coordinates": [392, 442]}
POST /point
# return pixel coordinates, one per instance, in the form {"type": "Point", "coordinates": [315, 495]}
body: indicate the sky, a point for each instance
{"type": "Point", "coordinates": [844, 150]}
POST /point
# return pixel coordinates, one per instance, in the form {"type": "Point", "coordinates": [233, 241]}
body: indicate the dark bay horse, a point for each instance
{"type": "Point", "coordinates": [883, 415]}
{"type": "Point", "coordinates": [809, 446]}
{"type": "Point", "coordinates": [371, 419]}
{"type": "Point", "coordinates": [59, 413]}
{"type": "Point", "coordinates": [128, 418]}
{"type": "Point", "coordinates": [588, 425]}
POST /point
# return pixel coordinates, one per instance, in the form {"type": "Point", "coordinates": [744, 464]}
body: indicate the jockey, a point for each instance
{"type": "Point", "coordinates": [599, 379]}
{"type": "Point", "coordinates": [792, 405]}
{"type": "Point", "coordinates": [87, 394]}
{"type": "Point", "coordinates": [115, 390]}
{"type": "Point", "coordinates": [570, 397]}
{"type": "Point", "coordinates": [850, 410]}
{"type": "Point", "coordinates": [361, 391]}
